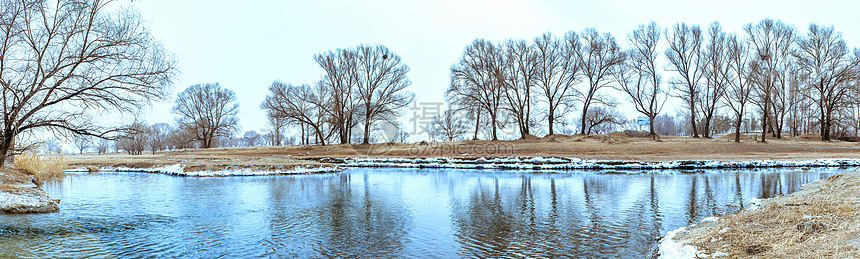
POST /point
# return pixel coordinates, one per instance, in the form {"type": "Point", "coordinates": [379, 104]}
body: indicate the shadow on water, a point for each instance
{"type": "Point", "coordinates": [383, 213]}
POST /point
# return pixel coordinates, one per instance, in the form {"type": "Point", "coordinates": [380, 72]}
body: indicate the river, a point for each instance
{"type": "Point", "coordinates": [387, 213]}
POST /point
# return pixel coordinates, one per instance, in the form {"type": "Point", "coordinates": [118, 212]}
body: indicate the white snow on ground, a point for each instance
{"type": "Point", "coordinates": [506, 163]}
{"type": "Point", "coordinates": [562, 163]}
{"type": "Point", "coordinates": [179, 170]}
{"type": "Point", "coordinates": [671, 249]}
{"type": "Point", "coordinates": [755, 204]}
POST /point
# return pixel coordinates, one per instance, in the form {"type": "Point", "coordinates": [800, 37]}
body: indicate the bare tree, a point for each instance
{"type": "Point", "coordinates": [597, 55]}
{"type": "Point", "coordinates": [825, 59]}
{"type": "Point", "coordinates": [134, 139]}
{"type": "Point", "coordinates": [638, 77]}
{"type": "Point", "coordinates": [62, 61]}
{"type": "Point", "coordinates": [302, 104]}
{"type": "Point", "coordinates": [715, 65]}
{"type": "Point", "coordinates": [400, 135]}
{"type": "Point", "coordinates": [52, 145]}
{"type": "Point", "coordinates": [182, 137]}
{"type": "Point", "coordinates": [252, 138]}
{"type": "Point", "coordinates": [771, 42]}
{"type": "Point", "coordinates": [476, 80]}
{"type": "Point", "coordinates": [685, 58]}
{"type": "Point", "coordinates": [102, 146]}
{"type": "Point", "coordinates": [158, 136]}
{"type": "Point", "coordinates": [340, 79]}
{"type": "Point", "coordinates": [780, 99]}
{"type": "Point", "coordinates": [739, 90]}
{"type": "Point", "coordinates": [82, 142]}
{"type": "Point", "coordinates": [209, 111]}
{"type": "Point", "coordinates": [449, 126]}
{"type": "Point", "coordinates": [557, 74]}
{"type": "Point", "coordinates": [520, 77]}
{"type": "Point", "coordinates": [381, 85]}
{"type": "Point", "coordinates": [665, 124]}
{"type": "Point", "coordinates": [276, 126]}
{"type": "Point", "coordinates": [602, 119]}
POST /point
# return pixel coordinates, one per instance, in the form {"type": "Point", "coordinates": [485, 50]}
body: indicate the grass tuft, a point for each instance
{"type": "Point", "coordinates": [43, 167]}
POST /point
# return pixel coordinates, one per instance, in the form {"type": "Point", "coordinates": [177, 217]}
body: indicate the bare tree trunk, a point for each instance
{"type": "Point", "coordinates": [692, 103]}
{"type": "Point", "coordinates": [477, 125]}
{"type": "Point", "coordinates": [551, 121]}
{"type": "Point", "coordinates": [764, 123]}
{"type": "Point", "coordinates": [366, 130]}
{"type": "Point", "coordinates": [738, 130]}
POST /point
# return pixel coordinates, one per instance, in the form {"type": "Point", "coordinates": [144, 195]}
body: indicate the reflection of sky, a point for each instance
{"type": "Point", "coordinates": [383, 213]}
{"type": "Point", "coordinates": [247, 45]}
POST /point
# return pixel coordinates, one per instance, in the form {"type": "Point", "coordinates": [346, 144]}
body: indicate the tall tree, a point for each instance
{"type": "Point", "coordinates": [302, 104]}
{"type": "Point", "coordinates": [557, 74]}
{"type": "Point", "coordinates": [381, 85]}
{"type": "Point", "coordinates": [714, 67]}
{"type": "Point", "coordinates": [597, 55]}
{"type": "Point", "coordinates": [770, 42]}
{"type": "Point", "coordinates": [63, 61]}
{"type": "Point", "coordinates": [638, 77]}
{"type": "Point", "coordinates": [737, 76]}
{"type": "Point", "coordinates": [476, 80]}
{"type": "Point", "coordinates": [520, 77]}
{"type": "Point", "coordinates": [209, 110]}
{"type": "Point", "coordinates": [685, 57]}
{"type": "Point", "coordinates": [340, 79]}
{"type": "Point", "coordinates": [825, 59]}
{"type": "Point", "coordinates": [276, 126]}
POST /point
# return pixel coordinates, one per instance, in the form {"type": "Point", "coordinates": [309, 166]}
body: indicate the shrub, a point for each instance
{"type": "Point", "coordinates": [43, 167]}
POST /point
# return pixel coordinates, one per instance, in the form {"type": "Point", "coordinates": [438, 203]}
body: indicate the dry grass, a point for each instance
{"type": "Point", "coordinates": [613, 146]}
{"type": "Point", "coordinates": [43, 167]}
{"type": "Point", "coordinates": [819, 221]}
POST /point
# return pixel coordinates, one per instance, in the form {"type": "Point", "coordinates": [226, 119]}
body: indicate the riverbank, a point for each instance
{"type": "Point", "coordinates": [607, 151]}
{"type": "Point", "coordinates": [20, 194]}
{"type": "Point", "coordinates": [821, 220]}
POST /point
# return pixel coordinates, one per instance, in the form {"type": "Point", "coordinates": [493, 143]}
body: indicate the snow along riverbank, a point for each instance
{"type": "Point", "coordinates": [499, 163]}
{"type": "Point", "coordinates": [179, 170]}
{"type": "Point", "coordinates": [564, 163]}
{"type": "Point", "coordinates": [670, 248]}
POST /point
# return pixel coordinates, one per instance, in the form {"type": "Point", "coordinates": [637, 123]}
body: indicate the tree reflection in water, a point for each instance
{"type": "Point", "coordinates": [596, 215]}
{"type": "Point", "coordinates": [360, 222]}
{"type": "Point", "coordinates": [389, 213]}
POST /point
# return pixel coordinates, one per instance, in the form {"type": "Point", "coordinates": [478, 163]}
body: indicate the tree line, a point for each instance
{"type": "Point", "coordinates": [64, 63]}
{"type": "Point", "coordinates": [788, 80]}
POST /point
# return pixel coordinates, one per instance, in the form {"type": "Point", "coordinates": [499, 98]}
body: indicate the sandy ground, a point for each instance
{"type": "Point", "coordinates": [613, 146]}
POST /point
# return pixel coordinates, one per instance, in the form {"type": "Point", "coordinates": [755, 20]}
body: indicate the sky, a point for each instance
{"type": "Point", "coordinates": [246, 45]}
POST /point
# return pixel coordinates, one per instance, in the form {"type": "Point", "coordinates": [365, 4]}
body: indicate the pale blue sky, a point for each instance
{"type": "Point", "coordinates": [245, 45]}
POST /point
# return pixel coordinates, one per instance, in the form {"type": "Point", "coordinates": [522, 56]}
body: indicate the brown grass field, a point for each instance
{"type": "Point", "coordinates": [819, 221]}
{"type": "Point", "coordinates": [613, 146]}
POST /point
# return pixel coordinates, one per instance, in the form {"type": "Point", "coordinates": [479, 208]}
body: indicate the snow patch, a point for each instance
{"type": "Point", "coordinates": [755, 204]}
{"type": "Point", "coordinates": [671, 249]}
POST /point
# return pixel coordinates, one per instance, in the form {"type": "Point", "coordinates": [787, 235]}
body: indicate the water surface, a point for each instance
{"type": "Point", "coordinates": [389, 213]}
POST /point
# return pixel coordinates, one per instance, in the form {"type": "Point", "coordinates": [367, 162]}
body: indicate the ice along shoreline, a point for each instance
{"type": "Point", "coordinates": [537, 163]}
